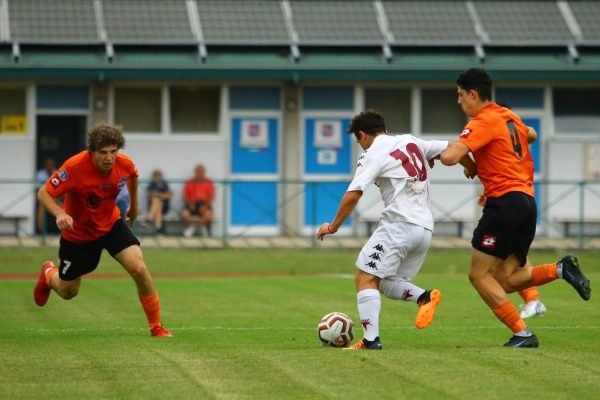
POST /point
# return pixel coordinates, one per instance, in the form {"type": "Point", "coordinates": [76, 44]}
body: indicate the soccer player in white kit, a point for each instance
{"type": "Point", "coordinates": [395, 252]}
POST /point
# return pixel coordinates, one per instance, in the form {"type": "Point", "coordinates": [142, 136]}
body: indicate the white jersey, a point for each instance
{"type": "Point", "coordinates": [398, 165]}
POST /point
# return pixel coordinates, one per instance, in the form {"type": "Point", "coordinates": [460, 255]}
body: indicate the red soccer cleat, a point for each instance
{"type": "Point", "coordinates": [159, 331]}
{"type": "Point", "coordinates": [41, 291]}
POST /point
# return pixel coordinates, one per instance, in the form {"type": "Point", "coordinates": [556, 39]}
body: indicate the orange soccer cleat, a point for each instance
{"type": "Point", "coordinates": [364, 344]}
{"type": "Point", "coordinates": [42, 290]}
{"type": "Point", "coordinates": [427, 308]}
{"type": "Point", "coordinates": [160, 331]}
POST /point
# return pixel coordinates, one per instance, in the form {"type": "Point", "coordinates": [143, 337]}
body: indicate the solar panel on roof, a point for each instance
{"type": "Point", "coordinates": [524, 23]}
{"type": "Point", "coordinates": [587, 15]}
{"type": "Point", "coordinates": [428, 23]}
{"type": "Point", "coordinates": [243, 22]}
{"type": "Point", "coordinates": [53, 22]}
{"type": "Point", "coordinates": [336, 23]}
{"type": "Point", "coordinates": [147, 22]}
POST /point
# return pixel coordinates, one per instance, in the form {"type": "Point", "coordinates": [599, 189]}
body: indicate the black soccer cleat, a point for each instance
{"type": "Point", "coordinates": [572, 274]}
{"type": "Point", "coordinates": [521, 341]}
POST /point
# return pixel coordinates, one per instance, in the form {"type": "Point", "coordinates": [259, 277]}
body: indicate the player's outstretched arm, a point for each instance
{"type": "Point", "coordinates": [470, 168]}
{"type": "Point", "coordinates": [347, 204]}
{"type": "Point", "coordinates": [531, 135]}
{"type": "Point", "coordinates": [454, 153]}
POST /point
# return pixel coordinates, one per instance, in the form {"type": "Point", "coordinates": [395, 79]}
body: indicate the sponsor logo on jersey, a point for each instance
{"type": "Point", "coordinates": [105, 186]}
{"type": "Point", "coordinates": [122, 183]}
{"type": "Point", "coordinates": [93, 201]}
{"type": "Point", "coordinates": [55, 181]}
{"type": "Point", "coordinates": [465, 133]}
{"type": "Point", "coordinates": [63, 175]}
{"type": "Point", "coordinates": [488, 242]}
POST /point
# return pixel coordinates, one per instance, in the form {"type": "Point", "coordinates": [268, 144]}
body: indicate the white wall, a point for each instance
{"type": "Point", "coordinates": [177, 159]}
{"type": "Point", "coordinates": [17, 162]}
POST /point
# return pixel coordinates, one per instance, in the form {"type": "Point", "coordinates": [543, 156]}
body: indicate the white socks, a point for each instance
{"type": "Point", "coordinates": [369, 306]}
{"type": "Point", "coordinates": [401, 290]}
{"type": "Point", "coordinates": [559, 268]}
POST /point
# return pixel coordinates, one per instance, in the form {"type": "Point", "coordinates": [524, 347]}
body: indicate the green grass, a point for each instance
{"type": "Point", "coordinates": [255, 337]}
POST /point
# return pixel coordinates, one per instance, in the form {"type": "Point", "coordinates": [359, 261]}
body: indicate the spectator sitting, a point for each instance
{"type": "Point", "coordinates": [198, 195]}
{"type": "Point", "coordinates": [123, 202]}
{"type": "Point", "coordinates": [159, 198]}
{"type": "Point", "coordinates": [41, 176]}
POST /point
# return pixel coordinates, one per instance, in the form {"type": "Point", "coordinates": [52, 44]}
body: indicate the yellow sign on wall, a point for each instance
{"type": "Point", "coordinates": [14, 124]}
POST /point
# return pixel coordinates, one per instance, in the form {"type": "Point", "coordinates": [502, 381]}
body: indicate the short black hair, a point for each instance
{"type": "Point", "coordinates": [368, 121]}
{"type": "Point", "coordinates": [476, 79]}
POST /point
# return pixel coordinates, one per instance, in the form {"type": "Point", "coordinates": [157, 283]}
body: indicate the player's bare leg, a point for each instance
{"type": "Point", "coordinates": [132, 260]}
{"type": "Point", "coordinates": [482, 275]}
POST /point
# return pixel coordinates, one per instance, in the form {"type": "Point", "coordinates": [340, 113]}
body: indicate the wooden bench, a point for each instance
{"type": "Point", "coordinates": [572, 226]}
{"type": "Point", "coordinates": [16, 221]}
{"type": "Point", "coordinates": [172, 223]}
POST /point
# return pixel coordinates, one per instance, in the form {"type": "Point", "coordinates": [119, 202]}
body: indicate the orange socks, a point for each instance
{"type": "Point", "coordinates": [529, 294]}
{"type": "Point", "coordinates": [151, 305]}
{"type": "Point", "coordinates": [543, 274]}
{"type": "Point", "coordinates": [508, 314]}
{"type": "Point", "coordinates": [51, 272]}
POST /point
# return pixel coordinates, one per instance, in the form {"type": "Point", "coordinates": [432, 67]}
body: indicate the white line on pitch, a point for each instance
{"type": "Point", "coordinates": [280, 328]}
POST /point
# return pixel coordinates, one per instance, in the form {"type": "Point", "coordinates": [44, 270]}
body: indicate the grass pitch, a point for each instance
{"type": "Point", "coordinates": [245, 328]}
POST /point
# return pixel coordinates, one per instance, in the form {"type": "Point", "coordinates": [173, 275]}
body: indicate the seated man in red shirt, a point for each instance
{"type": "Point", "coordinates": [198, 195]}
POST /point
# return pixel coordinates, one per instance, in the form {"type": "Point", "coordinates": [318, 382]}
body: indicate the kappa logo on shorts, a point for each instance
{"type": "Point", "coordinates": [488, 242]}
{"type": "Point", "coordinates": [465, 133]}
{"type": "Point", "coordinates": [371, 264]}
{"type": "Point", "coordinates": [375, 256]}
{"type": "Point", "coordinates": [379, 247]}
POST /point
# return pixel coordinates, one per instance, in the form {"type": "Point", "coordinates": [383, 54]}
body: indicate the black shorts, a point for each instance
{"type": "Point", "coordinates": [77, 259]}
{"type": "Point", "coordinates": [507, 226]}
{"type": "Point", "coordinates": [199, 208]}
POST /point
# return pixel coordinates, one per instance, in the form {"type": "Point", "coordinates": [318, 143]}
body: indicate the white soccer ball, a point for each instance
{"type": "Point", "coordinates": [336, 329]}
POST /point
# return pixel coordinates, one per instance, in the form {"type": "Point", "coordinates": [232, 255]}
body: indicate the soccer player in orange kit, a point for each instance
{"type": "Point", "coordinates": [498, 139]}
{"type": "Point", "coordinates": [90, 222]}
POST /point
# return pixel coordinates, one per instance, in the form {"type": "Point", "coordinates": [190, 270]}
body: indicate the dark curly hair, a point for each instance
{"type": "Point", "coordinates": [476, 79]}
{"type": "Point", "coordinates": [103, 134]}
{"type": "Point", "coordinates": [368, 121]}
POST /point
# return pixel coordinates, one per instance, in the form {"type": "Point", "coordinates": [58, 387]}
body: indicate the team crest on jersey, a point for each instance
{"type": "Point", "coordinates": [63, 175]}
{"type": "Point", "coordinates": [465, 133]}
{"type": "Point", "coordinates": [488, 242]}
{"type": "Point", "coordinates": [122, 183]}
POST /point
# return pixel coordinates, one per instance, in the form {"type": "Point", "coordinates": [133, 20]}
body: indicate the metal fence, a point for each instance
{"type": "Point", "coordinates": [566, 209]}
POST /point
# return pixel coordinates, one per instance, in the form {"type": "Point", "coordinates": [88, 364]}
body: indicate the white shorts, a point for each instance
{"type": "Point", "coordinates": [395, 249]}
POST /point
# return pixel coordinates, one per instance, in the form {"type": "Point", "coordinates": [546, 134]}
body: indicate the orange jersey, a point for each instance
{"type": "Point", "coordinates": [90, 196]}
{"type": "Point", "coordinates": [497, 137]}
{"type": "Point", "coordinates": [194, 191]}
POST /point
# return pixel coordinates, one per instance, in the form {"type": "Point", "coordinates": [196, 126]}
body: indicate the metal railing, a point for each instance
{"type": "Point", "coordinates": [567, 209]}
